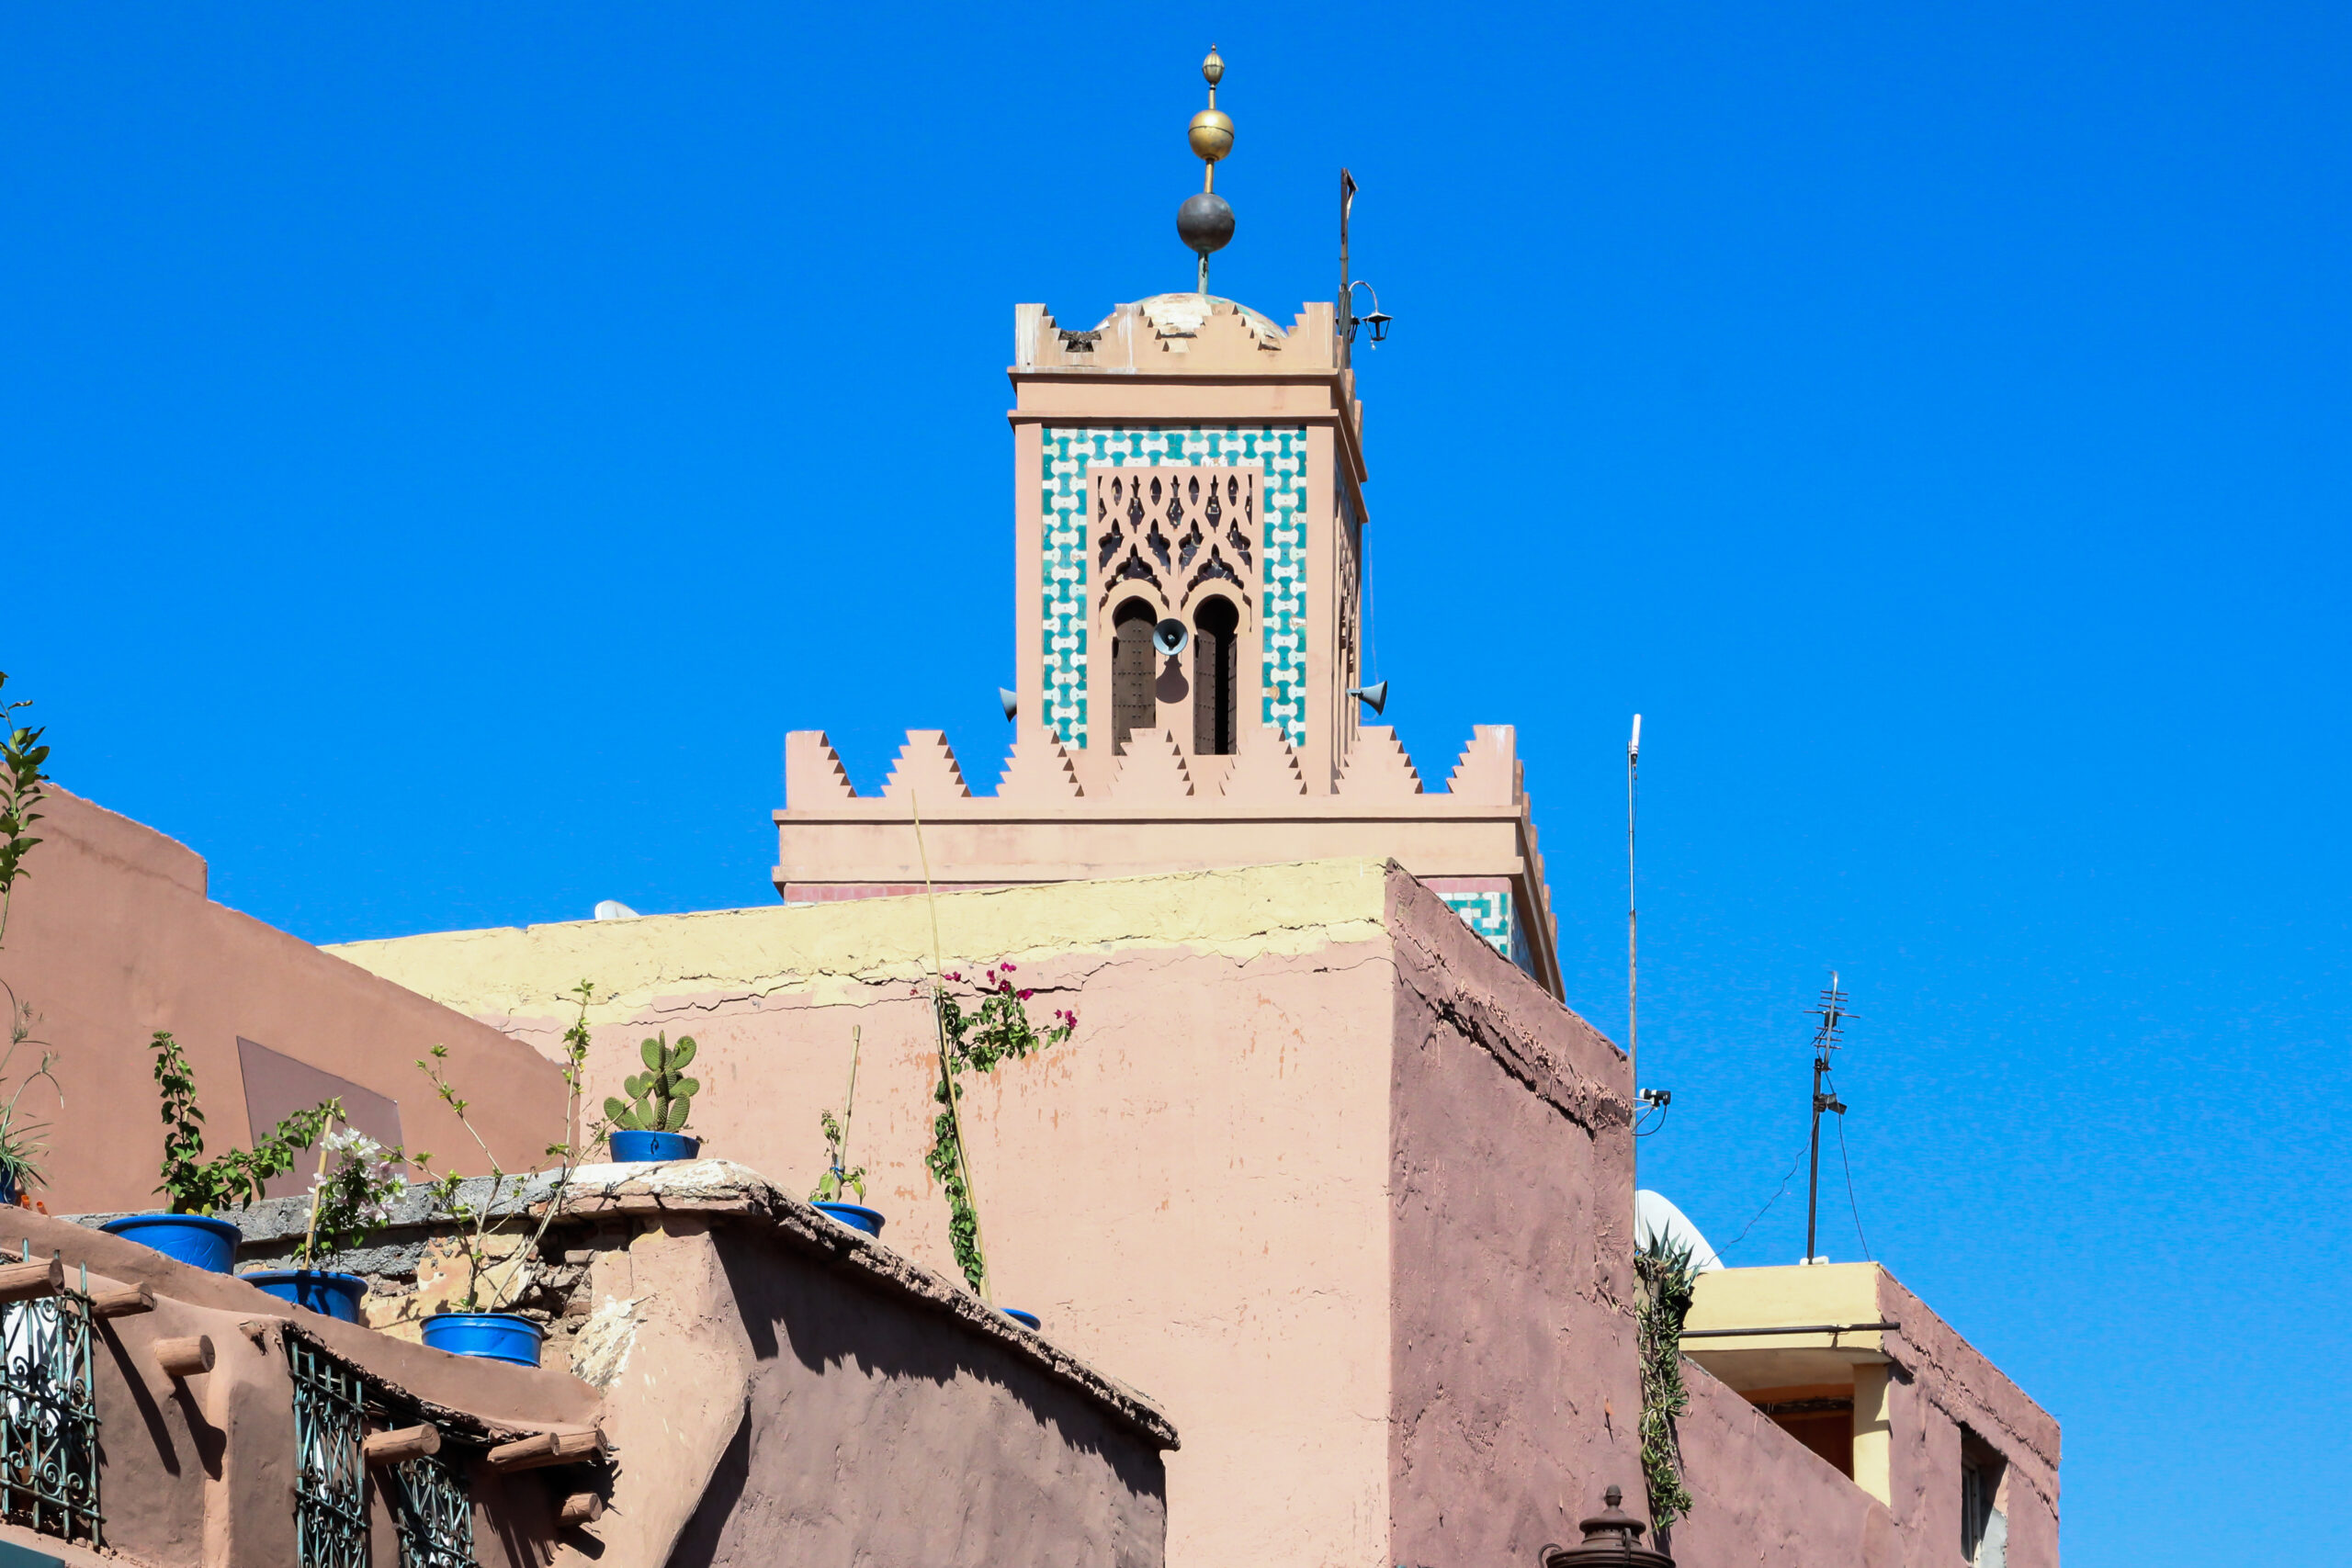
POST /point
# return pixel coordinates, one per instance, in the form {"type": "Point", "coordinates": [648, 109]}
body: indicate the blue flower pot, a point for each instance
{"type": "Point", "coordinates": [197, 1240]}
{"type": "Point", "coordinates": [8, 1188]}
{"type": "Point", "coordinates": [631, 1148]}
{"type": "Point", "coordinates": [493, 1336]}
{"type": "Point", "coordinates": [855, 1216]}
{"type": "Point", "coordinates": [331, 1296]}
{"type": "Point", "coordinates": [1026, 1319]}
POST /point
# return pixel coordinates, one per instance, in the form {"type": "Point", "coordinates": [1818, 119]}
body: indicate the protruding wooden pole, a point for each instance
{"type": "Point", "coordinates": [582, 1508]}
{"type": "Point", "coordinates": [31, 1281]}
{"type": "Point", "coordinates": [545, 1449]}
{"type": "Point", "coordinates": [128, 1301]}
{"type": "Point", "coordinates": [400, 1443]}
{"type": "Point", "coordinates": [184, 1357]}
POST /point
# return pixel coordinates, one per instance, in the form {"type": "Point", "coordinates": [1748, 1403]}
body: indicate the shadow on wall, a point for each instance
{"type": "Point", "coordinates": [836, 1327]}
{"type": "Point", "coordinates": [698, 1543]}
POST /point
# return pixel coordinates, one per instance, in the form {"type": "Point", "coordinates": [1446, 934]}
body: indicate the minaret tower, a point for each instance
{"type": "Point", "coordinates": [1193, 501]}
{"type": "Point", "coordinates": [1189, 536]}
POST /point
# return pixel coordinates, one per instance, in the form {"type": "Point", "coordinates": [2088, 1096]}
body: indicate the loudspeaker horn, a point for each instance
{"type": "Point", "coordinates": [1171, 636]}
{"type": "Point", "coordinates": [1374, 696]}
{"type": "Point", "coordinates": [1010, 701]}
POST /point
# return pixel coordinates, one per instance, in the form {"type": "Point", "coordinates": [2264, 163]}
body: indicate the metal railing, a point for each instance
{"type": "Point", "coordinates": [49, 1416]}
{"type": "Point", "coordinates": [433, 1513]}
{"type": "Point", "coordinates": [430, 1505]}
{"type": "Point", "coordinates": [330, 1475]}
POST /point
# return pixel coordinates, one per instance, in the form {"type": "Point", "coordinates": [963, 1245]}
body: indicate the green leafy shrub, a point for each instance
{"type": "Point", "coordinates": [24, 781]}
{"type": "Point", "coordinates": [198, 1185]}
{"type": "Point", "coordinates": [836, 1181]}
{"type": "Point", "coordinates": [477, 1222]}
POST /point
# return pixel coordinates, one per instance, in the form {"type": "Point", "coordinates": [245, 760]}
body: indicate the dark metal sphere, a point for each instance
{"type": "Point", "coordinates": [1205, 222]}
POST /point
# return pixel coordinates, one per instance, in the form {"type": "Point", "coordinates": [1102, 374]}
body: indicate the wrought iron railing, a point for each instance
{"type": "Point", "coordinates": [330, 1473]}
{"type": "Point", "coordinates": [49, 1416]}
{"type": "Point", "coordinates": [433, 1514]}
{"type": "Point", "coordinates": [432, 1507]}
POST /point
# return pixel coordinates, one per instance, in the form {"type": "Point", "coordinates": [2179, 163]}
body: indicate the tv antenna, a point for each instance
{"type": "Point", "coordinates": [1831, 1011]}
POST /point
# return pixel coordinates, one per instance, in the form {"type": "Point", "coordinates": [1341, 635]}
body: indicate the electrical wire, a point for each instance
{"type": "Point", "coordinates": [1766, 1209]}
{"type": "Point", "coordinates": [1850, 1203]}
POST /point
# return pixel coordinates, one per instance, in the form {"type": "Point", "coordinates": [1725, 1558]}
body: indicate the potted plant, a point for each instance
{"type": "Point", "coordinates": [347, 1202]}
{"type": "Point", "coordinates": [839, 1180]}
{"type": "Point", "coordinates": [21, 1150]}
{"type": "Point", "coordinates": [650, 1123]}
{"type": "Point", "coordinates": [23, 782]}
{"type": "Point", "coordinates": [478, 1323]}
{"type": "Point", "coordinates": [975, 1039]}
{"type": "Point", "coordinates": [189, 1230]}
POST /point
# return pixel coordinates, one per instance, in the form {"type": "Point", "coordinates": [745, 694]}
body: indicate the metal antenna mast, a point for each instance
{"type": "Point", "coordinates": [1831, 1011]}
{"type": "Point", "coordinates": [1632, 968]}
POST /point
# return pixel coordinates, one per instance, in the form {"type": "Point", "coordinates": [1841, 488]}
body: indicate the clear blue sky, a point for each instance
{"type": "Point", "coordinates": [443, 450]}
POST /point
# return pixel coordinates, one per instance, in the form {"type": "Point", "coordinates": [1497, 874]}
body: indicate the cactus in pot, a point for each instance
{"type": "Point", "coordinates": [659, 1101]}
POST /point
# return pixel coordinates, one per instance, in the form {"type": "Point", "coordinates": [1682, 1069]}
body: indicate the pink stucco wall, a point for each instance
{"type": "Point", "coordinates": [1767, 1501]}
{"type": "Point", "coordinates": [771, 1387]}
{"type": "Point", "coordinates": [1515, 1393]}
{"type": "Point", "coordinates": [1945, 1383]}
{"type": "Point", "coordinates": [803, 1414]}
{"type": "Point", "coordinates": [112, 938]}
{"type": "Point", "coordinates": [1764, 1500]}
{"type": "Point", "coordinates": [1346, 1193]}
{"type": "Point", "coordinates": [1215, 1194]}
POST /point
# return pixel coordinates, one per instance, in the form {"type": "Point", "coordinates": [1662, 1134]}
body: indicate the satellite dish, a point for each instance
{"type": "Point", "coordinates": [1009, 700]}
{"type": "Point", "coordinates": [1655, 1218]}
{"type": "Point", "coordinates": [614, 910]}
{"type": "Point", "coordinates": [1374, 696]}
{"type": "Point", "coordinates": [1171, 636]}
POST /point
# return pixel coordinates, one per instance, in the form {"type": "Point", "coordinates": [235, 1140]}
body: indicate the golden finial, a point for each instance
{"type": "Point", "coordinates": [1205, 220]}
{"type": "Point", "coordinates": [1212, 130]}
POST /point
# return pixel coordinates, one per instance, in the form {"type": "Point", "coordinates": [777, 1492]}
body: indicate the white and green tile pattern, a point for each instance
{"type": "Point", "coordinates": [1490, 914]}
{"type": "Point", "coordinates": [1279, 450]}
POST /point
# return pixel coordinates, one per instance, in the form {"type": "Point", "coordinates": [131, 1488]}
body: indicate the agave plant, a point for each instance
{"type": "Point", "coordinates": [660, 1097]}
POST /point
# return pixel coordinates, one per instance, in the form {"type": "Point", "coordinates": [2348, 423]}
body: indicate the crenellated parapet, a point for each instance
{"type": "Point", "coordinates": [1153, 806]}
{"type": "Point", "coordinates": [1199, 333]}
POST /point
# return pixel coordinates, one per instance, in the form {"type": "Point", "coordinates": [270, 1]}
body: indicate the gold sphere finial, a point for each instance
{"type": "Point", "coordinates": [1211, 133]}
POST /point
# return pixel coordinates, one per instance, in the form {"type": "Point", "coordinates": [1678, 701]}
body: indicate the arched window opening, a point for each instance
{"type": "Point", "coordinates": [1133, 707]}
{"type": "Point", "coordinates": [1215, 714]}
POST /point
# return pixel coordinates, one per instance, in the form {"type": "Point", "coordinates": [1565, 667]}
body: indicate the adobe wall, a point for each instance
{"type": "Point", "coordinates": [777, 1409]}
{"type": "Point", "coordinates": [197, 1468]}
{"type": "Point", "coordinates": [1944, 1383]}
{"type": "Point", "coordinates": [1197, 1191]}
{"type": "Point", "coordinates": [1193, 1192]}
{"type": "Point", "coordinates": [1761, 1499]}
{"type": "Point", "coordinates": [112, 938]}
{"type": "Point", "coordinates": [1516, 1396]}
{"type": "Point", "coordinates": [769, 1386]}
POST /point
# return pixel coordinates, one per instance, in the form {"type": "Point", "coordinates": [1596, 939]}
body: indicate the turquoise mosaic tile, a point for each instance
{"type": "Point", "coordinates": [1490, 914]}
{"type": "Point", "coordinates": [1279, 450]}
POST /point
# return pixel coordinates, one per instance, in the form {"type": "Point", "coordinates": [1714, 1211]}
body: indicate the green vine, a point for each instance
{"type": "Point", "coordinates": [1666, 1278]}
{"type": "Point", "coordinates": [198, 1186]}
{"type": "Point", "coordinates": [975, 1040]}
